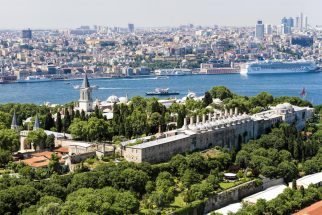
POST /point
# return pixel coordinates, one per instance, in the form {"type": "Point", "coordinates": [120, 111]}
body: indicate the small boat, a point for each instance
{"type": "Point", "coordinates": [67, 83]}
{"type": "Point", "coordinates": [162, 92]}
{"type": "Point", "coordinates": [76, 87]}
{"type": "Point", "coordinates": [95, 87]}
{"type": "Point", "coordinates": [162, 77]}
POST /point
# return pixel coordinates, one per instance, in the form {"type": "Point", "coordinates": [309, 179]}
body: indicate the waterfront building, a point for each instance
{"type": "Point", "coordinates": [226, 129]}
{"type": "Point", "coordinates": [260, 30]}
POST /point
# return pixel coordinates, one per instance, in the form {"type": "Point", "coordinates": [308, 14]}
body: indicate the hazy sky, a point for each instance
{"type": "Point", "coordinates": [72, 13]}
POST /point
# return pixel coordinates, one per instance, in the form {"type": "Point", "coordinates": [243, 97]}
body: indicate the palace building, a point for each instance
{"type": "Point", "coordinates": [227, 130]}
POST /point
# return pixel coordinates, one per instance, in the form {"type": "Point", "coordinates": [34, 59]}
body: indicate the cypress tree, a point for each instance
{"type": "Point", "coordinates": [49, 122]}
{"type": "Point", "coordinates": [59, 124]}
{"type": "Point", "coordinates": [83, 115]}
{"type": "Point", "coordinates": [67, 121]}
{"type": "Point", "coordinates": [77, 114]}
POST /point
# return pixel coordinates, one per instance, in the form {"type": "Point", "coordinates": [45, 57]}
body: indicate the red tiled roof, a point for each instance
{"type": "Point", "coordinates": [47, 154]}
{"type": "Point", "coordinates": [315, 209]}
{"type": "Point", "coordinates": [41, 159]}
{"type": "Point", "coordinates": [62, 150]}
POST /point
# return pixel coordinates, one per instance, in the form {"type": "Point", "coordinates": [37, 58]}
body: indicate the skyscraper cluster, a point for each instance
{"type": "Point", "coordinates": [302, 22]}
{"type": "Point", "coordinates": [286, 25]}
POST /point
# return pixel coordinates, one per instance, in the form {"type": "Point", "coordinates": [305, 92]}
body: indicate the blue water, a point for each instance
{"type": "Point", "coordinates": [60, 92]}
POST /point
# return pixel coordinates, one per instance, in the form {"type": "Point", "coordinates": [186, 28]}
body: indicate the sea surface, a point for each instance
{"type": "Point", "coordinates": [60, 92]}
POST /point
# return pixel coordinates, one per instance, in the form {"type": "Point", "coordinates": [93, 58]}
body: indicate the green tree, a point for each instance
{"type": "Point", "coordinates": [50, 141]}
{"type": "Point", "coordinates": [59, 124]}
{"type": "Point", "coordinates": [5, 157]}
{"type": "Point", "coordinates": [207, 100]}
{"type": "Point", "coordinates": [5, 119]}
{"type": "Point", "coordinates": [49, 121]}
{"type": "Point", "coordinates": [126, 203]}
{"type": "Point", "coordinates": [9, 140]}
{"type": "Point", "coordinates": [221, 92]}
{"type": "Point", "coordinates": [54, 165]}
{"type": "Point", "coordinates": [37, 138]}
{"type": "Point", "coordinates": [67, 121]}
{"type": "Point", "coordinates": [288, 170]}
{"type": "Point", "coordinates": [190, 177]}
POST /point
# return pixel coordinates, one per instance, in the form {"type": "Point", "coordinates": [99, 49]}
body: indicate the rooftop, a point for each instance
{"type": "Point", "coordinates": [315, 209]}
{"type": "Point", "coordinates": [310, 179]}
{"type": "Point", "coordinates": [160, 141]}
{"type": "Point", "coordinates": [268, 194]}
{"type": "Point", "coordinates": [232, 208]}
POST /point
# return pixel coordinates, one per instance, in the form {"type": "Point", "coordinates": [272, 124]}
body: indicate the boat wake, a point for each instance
{"type": "Point", "coordinates": [138, 79]}
{"type": "Point", "coordinates": [114, 88]}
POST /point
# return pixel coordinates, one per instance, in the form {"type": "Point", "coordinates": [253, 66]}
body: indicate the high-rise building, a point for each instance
{"type": "Point", "coordinates": [290, 22]}
{"type": "Point", "coordinates": [269, 29]}
{"type": "Point", "coordinates": [260, 30]}
{"type": "Point", "coordinates": [285, 29]}
{"type": "Point", "coordinates": [27, 34]}
{"type": "Point", "coordinates": [284, 21]}
{"type": "Point", "coordinates": [297, 22]}
{"type": "Point", "coordinates": [131, 27]}
{"type": "Point", "coordinates": [301, 22]}
{"type": "Point", "coordinates": [306, 23]}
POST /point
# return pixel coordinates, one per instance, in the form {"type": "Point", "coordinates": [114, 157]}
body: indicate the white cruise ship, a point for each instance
{"type": "Point", "coordinates": [271, 67]}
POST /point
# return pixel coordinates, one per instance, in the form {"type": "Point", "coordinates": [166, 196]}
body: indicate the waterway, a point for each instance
{"type": "Point", "coordinates": [60, 92]}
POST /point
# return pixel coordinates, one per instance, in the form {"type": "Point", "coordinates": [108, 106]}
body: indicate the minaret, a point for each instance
{"type": "Point", "coordinates": [37, 123]}
{"type": "Point", "coordinates": [85, 101]}
{"type": "Point", "coordinates": [14, 124]}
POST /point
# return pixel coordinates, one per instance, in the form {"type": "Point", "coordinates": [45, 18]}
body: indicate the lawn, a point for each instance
{"type": "Point", "coordinates": [178, 201]}
{"type": "Point", "coordinates": [227, 185]}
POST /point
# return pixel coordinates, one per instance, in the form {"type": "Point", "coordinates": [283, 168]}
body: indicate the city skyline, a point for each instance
{"type": "Point", "coordinates": [143, 13]}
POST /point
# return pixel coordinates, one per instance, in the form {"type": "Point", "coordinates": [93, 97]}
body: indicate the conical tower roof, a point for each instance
{"type": "Point", "coordinates": [37, 123]}
{"type": "Point", "coordinates": [85, 82]}
{"type": "Point", "coordinates": [14, 123]}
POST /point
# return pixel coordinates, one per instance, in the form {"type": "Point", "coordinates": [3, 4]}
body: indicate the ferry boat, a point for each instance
{"type": "Point", "coordinates": [94, 87]}
{"type": "Point", "coordinates": [162, 92]}
{"type": "Point", "coordinates": [272, 67]}
{"type": "Point", "coordinates": [172, 72]}
{"type": "Point", "coordinates": [29, 79]}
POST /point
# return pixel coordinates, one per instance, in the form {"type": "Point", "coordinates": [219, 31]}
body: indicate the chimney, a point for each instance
{"type": "Point", "coordinates": [185, 126]}
{"type": "Point", "coordinates": [226, 112]}
{"type": "Point", "coordinates": [185, 122]}
{"type": "Point", "coordinates": [209, 117]}
{"type": "Point", "coordinates": [236, 111]}
{"type": "Point", "coordinates": [203, 118]}
{"type": "Point", "coordinates": [198, 120]}
{"type": "Point", "coordinates": [191, 120]}
{"type": "Point", "coordinates": [230, 112]}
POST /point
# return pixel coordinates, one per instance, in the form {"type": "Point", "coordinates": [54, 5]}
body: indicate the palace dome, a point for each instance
{"type": "Point", "coordinates": [113, 99]}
